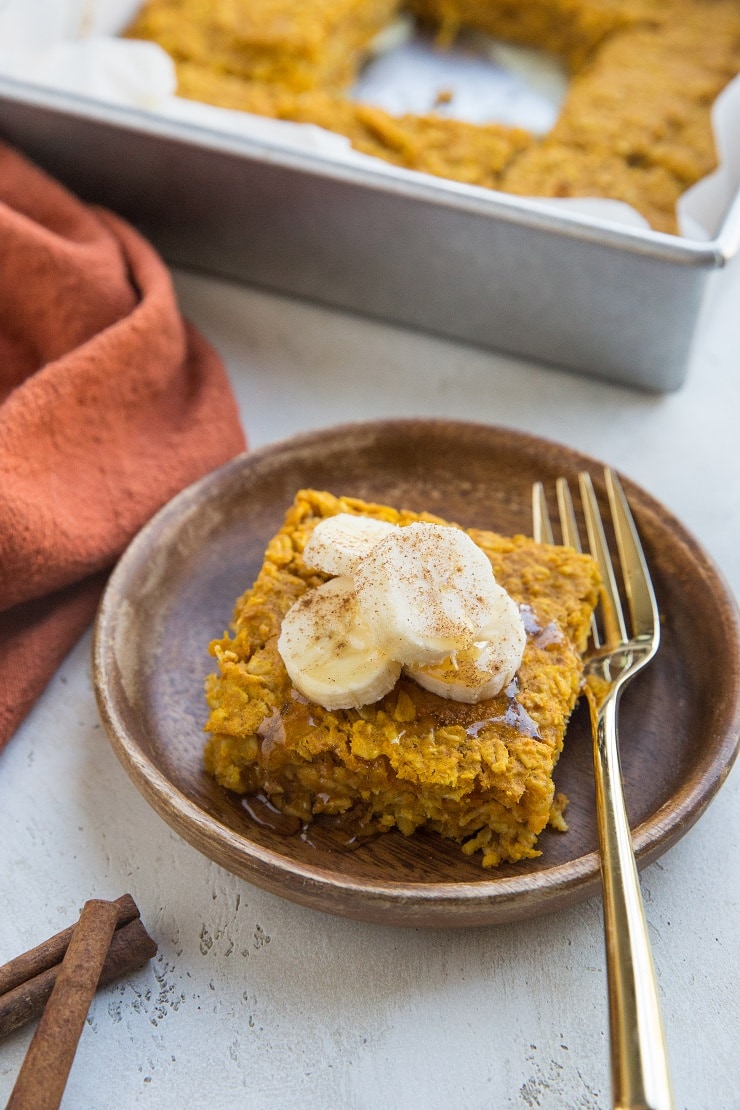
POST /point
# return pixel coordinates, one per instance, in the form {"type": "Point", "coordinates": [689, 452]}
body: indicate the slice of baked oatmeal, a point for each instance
{"type": "Point", "coordinates": [480, 773]}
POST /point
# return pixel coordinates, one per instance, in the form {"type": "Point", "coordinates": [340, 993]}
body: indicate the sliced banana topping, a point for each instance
{"type": "Point", "coordinates": [483, 670]}
{"type": "Point", "coordinates": [329, 651]}
{"type": "Point", "coordinates": [423, 597]}
{"type": "Point", "coordinates": [339, 542]}
{"type": "Point", "coordinates": [427, 590]}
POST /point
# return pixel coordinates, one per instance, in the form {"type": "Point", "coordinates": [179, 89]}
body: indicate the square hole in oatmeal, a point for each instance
{"type": "Point", "coordinates": [476, 79]}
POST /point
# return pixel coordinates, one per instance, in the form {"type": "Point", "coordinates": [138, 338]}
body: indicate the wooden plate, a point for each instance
{"type": "Point", "coordinates": [174, 590]}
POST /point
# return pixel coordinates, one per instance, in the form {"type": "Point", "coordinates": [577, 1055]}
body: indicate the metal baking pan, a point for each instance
{"type": "Point", "coordinates": [490, 269]}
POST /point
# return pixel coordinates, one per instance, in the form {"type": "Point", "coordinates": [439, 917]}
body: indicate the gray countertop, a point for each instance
{"type": "Point", "coordinates": [255, 1002]}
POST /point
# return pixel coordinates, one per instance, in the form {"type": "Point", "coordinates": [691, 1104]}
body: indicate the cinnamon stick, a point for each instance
{"type": "Point", "coordinates": [47, 955]}
{"type": "Point", "coordinates": [130, 949]}
{"type": "Point", "coordinates": [43, 1075]}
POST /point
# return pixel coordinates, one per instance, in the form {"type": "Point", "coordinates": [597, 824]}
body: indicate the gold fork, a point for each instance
{"type": "Point", "coordinates": [639, 1061]}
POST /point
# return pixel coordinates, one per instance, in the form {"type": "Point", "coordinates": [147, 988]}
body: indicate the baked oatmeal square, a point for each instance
{"type": "Point", "coordinates": [479, 773]}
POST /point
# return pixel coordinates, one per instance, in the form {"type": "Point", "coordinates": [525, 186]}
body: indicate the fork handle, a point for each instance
{"type": "Point", "coordinates": [639, 1060]}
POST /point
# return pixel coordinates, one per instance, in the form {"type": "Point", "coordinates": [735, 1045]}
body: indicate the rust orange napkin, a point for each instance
{"type": "Point", "coordinates": [109, 404]}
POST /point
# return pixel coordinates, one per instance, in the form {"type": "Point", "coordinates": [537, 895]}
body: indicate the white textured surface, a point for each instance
{"type": "Point", "coordinates": [254, 1002]}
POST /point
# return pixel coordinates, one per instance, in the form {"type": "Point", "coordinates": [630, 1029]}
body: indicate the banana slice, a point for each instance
{"type": "Point", "coordinates": [329, 651]}
{"type": "Point", "coordinates": [483, 670]}
{"type": "Point", "coordinates": [427, 591]}
{"type": "Point", "coordinates": [338, 542]}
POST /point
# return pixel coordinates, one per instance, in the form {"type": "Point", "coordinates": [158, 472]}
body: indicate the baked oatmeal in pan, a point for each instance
{"type": "Point", "coordinates": [635, 125]}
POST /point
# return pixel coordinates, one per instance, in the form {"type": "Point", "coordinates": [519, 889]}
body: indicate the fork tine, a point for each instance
{"type": "Point", "coordinates": [540, 517]}
{"type": "Point", "coordinates": [638, 586]}
{"type": "Point", "coordinates": [569, 528]}
{"type": "Point", "coordinates": [613, 616]}
{"type": "Point", "coordinates": [567, 514]}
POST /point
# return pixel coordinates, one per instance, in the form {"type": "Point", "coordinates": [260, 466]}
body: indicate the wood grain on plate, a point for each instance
{"type": "Point", "coordinates": [174, 590]}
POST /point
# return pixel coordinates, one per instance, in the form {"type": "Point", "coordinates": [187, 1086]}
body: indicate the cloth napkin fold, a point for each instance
{"type": "Point", "coordinates": [109, 404]}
